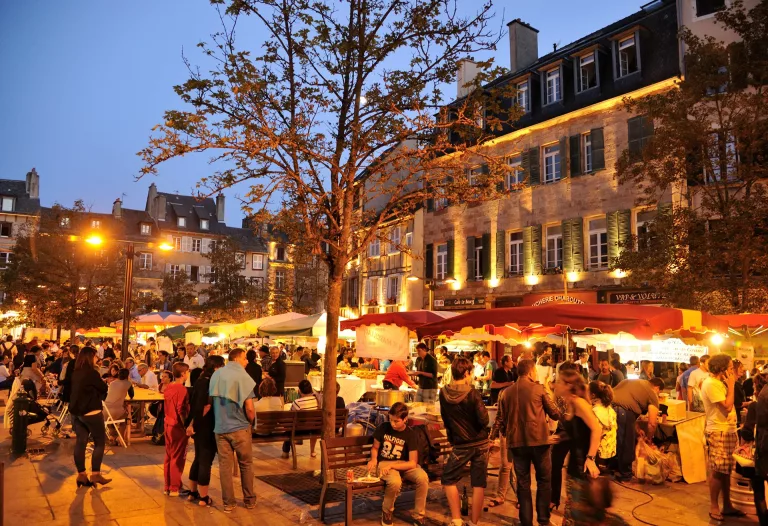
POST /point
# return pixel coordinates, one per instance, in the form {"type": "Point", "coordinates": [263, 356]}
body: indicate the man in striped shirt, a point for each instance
{"type": "Point", "coordinates": [306, 402]}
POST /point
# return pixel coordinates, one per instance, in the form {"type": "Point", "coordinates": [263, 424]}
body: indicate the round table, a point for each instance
{"type": "Point", "coordinates": [352, 387]}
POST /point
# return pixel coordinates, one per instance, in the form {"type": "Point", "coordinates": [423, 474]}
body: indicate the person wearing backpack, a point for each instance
{"type": "Point", "coordinates": [8, 347]}
{"type": "Point", "coordinates": [466, 425]}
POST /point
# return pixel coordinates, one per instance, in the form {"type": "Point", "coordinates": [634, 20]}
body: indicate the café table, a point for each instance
{"type": "Point", "coordinates": [141, 397]}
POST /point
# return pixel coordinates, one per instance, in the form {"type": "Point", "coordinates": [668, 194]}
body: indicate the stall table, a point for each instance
{"type": "Point", "coordinates": [352, 387]}
{"type": "Point", "coordinates": [690, 438]}
{"type": "Point", "coordinates": [141, 397]}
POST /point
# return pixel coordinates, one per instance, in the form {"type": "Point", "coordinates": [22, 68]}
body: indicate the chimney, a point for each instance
{"type": "Point", "coordinates": [220, 208]}
{"type": "Point", "coordinates": [151, 196]}
{"type": "Point", "coordinates": [523, 45]}
{"type": "Point", "coordinates": [248, 222]}
{"type": "Point", "coordinates": [117, 209]}
{"type": "Point", "coordinates": [467, 71]}
{"type": "Point", "coordinates": [33, 184]}
{"type": "Point", "coordinates": [160, 207]}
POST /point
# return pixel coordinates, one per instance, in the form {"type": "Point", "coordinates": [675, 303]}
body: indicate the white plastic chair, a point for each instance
{"type": "Point", "coordinates": [109, 421]}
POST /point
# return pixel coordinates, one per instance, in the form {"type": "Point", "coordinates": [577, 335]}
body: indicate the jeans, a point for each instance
{"type": "Point", "coordinates": [559, 452]}
{"type": "Point", "coordinates": [205, 450]}
{"type": "Point", "coordinates": [625, 441]}
{"type": "Point", "coordinates": [505, 469]}
{"type": "Point", "coordinates": [85, 426]}
{"type": "Point", "coordinates": [426, 395]}
{"type": "Point", "coordinates": [394, 481]}
{"type": "Point", "coordinates": [238, 443]}
{"type": "Point", "coordinates": [522, 458]}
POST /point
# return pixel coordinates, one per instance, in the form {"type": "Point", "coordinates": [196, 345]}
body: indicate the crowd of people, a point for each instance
{"type": "Point", "coordinates": [548, 410]}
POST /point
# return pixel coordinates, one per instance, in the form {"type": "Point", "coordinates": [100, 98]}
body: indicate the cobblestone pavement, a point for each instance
{"type": "Point", "coordinates": [40, 489]}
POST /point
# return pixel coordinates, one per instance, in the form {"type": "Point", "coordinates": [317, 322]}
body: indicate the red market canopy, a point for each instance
{"type": "Point", "coordinates": [745, 320]}
{"type": "Point", "coordinates": [411, 320]}
{"type": "Point", "coordinates": [642, 321]}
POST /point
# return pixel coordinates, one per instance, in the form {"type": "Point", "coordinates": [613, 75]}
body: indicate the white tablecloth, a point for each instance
{"type": "Point", "coordinates": [352, 387]}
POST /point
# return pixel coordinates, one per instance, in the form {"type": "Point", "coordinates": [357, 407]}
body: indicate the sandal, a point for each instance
{"type": "Point", "coordinates": [717, 517]}
{"type": "Point", "coordinates": [495, 502]}
{"type": "Point", "coordinates": [193, 495]}
{"type": "Point", "coordinates": [206, 501]}
{"type": "Point", "coordinates": [313, 455]}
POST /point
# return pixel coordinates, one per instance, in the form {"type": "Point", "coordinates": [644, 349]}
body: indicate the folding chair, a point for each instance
{"type": "Point", "coordinates": [109, 421]}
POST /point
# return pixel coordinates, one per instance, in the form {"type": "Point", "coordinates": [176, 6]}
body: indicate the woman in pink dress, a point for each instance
{"type": "Point", "coordinates": [176, 409]}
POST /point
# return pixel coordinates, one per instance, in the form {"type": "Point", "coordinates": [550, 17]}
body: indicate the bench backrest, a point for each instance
{"type": "Point", "coordinates": [346, 452]}
{"type": "Point", "coordinates": [307, 421]}
{"type": "Point", "coordinates": [274, 422]}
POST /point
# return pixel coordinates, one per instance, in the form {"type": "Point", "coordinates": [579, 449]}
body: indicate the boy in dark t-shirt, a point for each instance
{"type": "Point", "coordinates": [396, 456]}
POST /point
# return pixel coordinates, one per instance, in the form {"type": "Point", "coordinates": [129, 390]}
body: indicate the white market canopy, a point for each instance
{"type": "Point", "coordinates": [309, 326]}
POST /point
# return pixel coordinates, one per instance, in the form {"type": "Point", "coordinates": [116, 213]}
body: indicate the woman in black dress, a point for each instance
{"type": "Point", "coordinates": [85, 405]}
{"type": "Point", "coordinates": [756, 429]}
{"type": "Point", "coordinates": [200, 427]}
{"type": "Point", "coordinates": [586, 502]}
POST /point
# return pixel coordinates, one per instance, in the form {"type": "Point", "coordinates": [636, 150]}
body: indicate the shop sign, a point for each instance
{"type": "Point", "coordinates": [385, 342]}
{"type": "Point", "coordinates": [579, 298]}
{"type": "Point", "coordinates": [459, 303]}
{"type": "Point", "coordinates": [671, 350]}
{"type": "Point", "coordinates": [638, 297]}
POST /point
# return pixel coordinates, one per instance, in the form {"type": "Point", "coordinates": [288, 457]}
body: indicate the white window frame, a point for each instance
{"type": "Point", "coordinates": [279, 280]}
{"type": "Point", "coordinates": [586, 151]}
{"type": "Point", "coordinates": [515, 176]}
{"type": "Point", "coordinates": [5, 258]}
{"type": "Point", "coordinates": [65, 222]}
{"type": "Point", "coordinates": [441, 262]}
{"type": "Point", "coordinates": [473, 174]}
{"type": "Point", "coordinates": [257, 262]}
{"type": "Point", "coordinates": [177, 243]}
{"type": "Point", "coordinates": [7, 204]}
{"type": "Point", "coordinates": [205, 224]}
{"type": "Point", "coordinates": [481, 117]}
{"type": "Point", "coordinates": [374, 248]}
{"type": "Point", "coordinates": [478, 259]}
{"type": "Point", "coordinates": [372, 290]}
{"type": "Point", "coordinates": [523, 96]}
{"type": "Point", "coordinates": [516, 254]}
{"type": "Point", "coordinates": [554, 248]}
{"type": "Point", "coordinates": [552, 85]}
{"type": "Point", "coordinates": [441, 203]}
{"type": "Point", "coordinates": [584, 61]}
{"type": "Point", "coordinates": [409, 239]}
{"type": "Point", "coordinates": [552, 163]}
{"type": "Point", "coordinates": [181, 222]}
{"type": "Point", "coordinates": [174, 270]}
{"type": "Point", "coordinates": [394, 240]}
{"type": "Point", "coordinates": [621, 45]}
{"type": "Point", "coordinates": [95, 224]}
{"type": "Point", "coordinates": [393, 282]}
{"type": "Point", "coordinates": [145, 260]}
{"type": "Point", "coordinates": [714, 158]}
{"type": "Point", "coordinates": [240, 258]}
{"type": "Point", "coordinates": [10, 229]}
{"type": "Point", "coordinates": [146, 229]}
{"type": "Point", "coordinates": [197, 245]}
{"type": "Point", "coordinates": [600, 260]}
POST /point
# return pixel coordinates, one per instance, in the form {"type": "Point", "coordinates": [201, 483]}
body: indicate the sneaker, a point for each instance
{"type": "Point", "coordinates": [250, 506]}
{"type": "Point", "coordinates": [228, 508]}
{"type": "Point", "coordinates": [286, 455]}
{"type": "Point", "coordinates": [173, 493]}
{"type": "Point", "coordinates": [386, 519]}
{"type": "Point", "coordinates": [419, 522]}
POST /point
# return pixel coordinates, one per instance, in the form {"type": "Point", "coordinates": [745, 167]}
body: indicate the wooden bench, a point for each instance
{"type": "Point", "coordinates": [342, 454]}
{"type": "Point", "coordinates": [279, 426]}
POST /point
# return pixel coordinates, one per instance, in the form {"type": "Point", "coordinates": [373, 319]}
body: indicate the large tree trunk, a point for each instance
{"type": "Point", "coordinates": [329, 365]}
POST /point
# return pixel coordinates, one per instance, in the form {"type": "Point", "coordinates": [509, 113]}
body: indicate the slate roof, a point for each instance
{"type": "Point", "coordinates": [18, 189]}
{"type": "Point", "coordinates": [193, 209]}
{"type": "Point", "coordinates": [246, 239]}
{"type": "Point", "coordinates": [125, 229]}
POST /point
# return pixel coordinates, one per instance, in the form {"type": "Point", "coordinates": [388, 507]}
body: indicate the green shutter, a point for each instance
{"type": "Point", "coordinates": [612, 226]}
{"type": "Point", "coordinates": [534, 175]}
{"type": "Point", "coordinates": [451, 248]}
{"type": "Point", "coordinates": [429, 261]}
{"type": "Point", "coordinates": [501, 253]}
{"type": "Point", "coordinates": [565, 225]}
{"type": "Point", "coordinates": [486, 256]}
{"type": "Point", "coordinates": [598, 149]}
{"type": "Point", "coordinates": [575, 155]}
{"type": "Point", "coordinates": [470, 259]}
{"type": "Point", "coordinates": [563, 153]}
{"type": "Point", "coordinates": [624, 227]}
{"type": "Point", "coordinates": [576, 248]}
{"type": "Point", "coordinates": [634, 132]}
{"type": "Point", "coordinates": [532, 250]}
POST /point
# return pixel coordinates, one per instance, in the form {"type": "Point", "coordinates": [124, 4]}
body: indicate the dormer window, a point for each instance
{"type": "Point", "coordinates": [95, 224]}
{"type": "Point", "coordinates": [280, 253]}
{"type": "Point", "coordinates": [6, 205]}
{"type": "Point", "coordinates": [181, 221]}
{"type": "Point", "coordinates": [204, 224]}
{"type": "Point", "coordinates": [64, 222]}
{"type": "Point", "coordinates": [523, 96]}
{"type": "Point", "coordinates": [587, 72]}
{"type": "Point", "coordinates": [627, 56]}
{"type": "Point", "coordinates": [552, 78]}
{"type": "Point", "coordinates": [146, 229]}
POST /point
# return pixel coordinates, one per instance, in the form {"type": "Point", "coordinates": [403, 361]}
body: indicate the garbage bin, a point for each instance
{"type": "Point", "coordinates": [21, 406]}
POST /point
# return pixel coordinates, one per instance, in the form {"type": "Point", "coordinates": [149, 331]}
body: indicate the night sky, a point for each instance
{"type": "Point", "coordinates": [82, 83]}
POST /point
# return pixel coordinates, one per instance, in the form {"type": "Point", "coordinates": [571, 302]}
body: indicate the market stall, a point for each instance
{"type": "Point", "coordinates": [308, 327]}
{"type": "Point", "coordinates": [150, 324]}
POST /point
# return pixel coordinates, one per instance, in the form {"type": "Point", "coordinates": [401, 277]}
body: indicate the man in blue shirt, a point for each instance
{"type": "Point", "coordinates": [133, 371]}
{"type": "Point", "coordinates": [231, 393]}
{"type": "Point", "coordinates": [694, 362]}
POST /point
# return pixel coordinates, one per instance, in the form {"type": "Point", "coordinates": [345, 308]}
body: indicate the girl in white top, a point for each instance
{"type": "Point", "coordinates": [601, 396]}
{"type": "Point", "coordinates": [268, 399]}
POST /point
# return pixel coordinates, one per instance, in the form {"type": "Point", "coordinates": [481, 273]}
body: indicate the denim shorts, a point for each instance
{"type": "Point", "coordinates": [478, 469]}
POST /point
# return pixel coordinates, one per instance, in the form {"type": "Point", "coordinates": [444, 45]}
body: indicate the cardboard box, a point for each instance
{"type": "Point", "coordinates": [675, 409]}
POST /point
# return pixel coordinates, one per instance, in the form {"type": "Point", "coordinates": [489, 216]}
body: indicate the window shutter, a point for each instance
{"type": "Point", "coordinates": [430, 204]}
{"type": "Point", "coordinates": [167, 268]}
{"type": "Point", "coordinates": [577, 244]}
{"type": "Point", "coordinates": [188, 270]}
{"type": "Point", "coordinates": [565, 225]}
{"type": "Point", "coordinates": [449, 182]}
{"type": "Point", "coordinates": [501, 253]}
{"type": "Point", "coordinates": [563, 156]}
{"type": "Point", "coordinates": [634, 132]}
{"type": "Point", "coordinates": [486, 261]}
{"type": "Point", "coordinates": [470, 259]}
{"type": "Point", "coordinates": [612, 226]}
{"type": "Point", "coordinates": [429, 261]}
{"type": "Point", "coordinates": [345, 293]}
{"type": "Point", "coordinates": [624, 227]}
{"type": "Point", "coordinates": [575, 155]}
{"type": "Point", "coordinates": [598, 149]}
{"type": "Point", "coordinates": [532, 250]}
{"type": "Point", "coordinates": [451, 248]}
{"type": "Point", "coordinates": [534, 177]}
